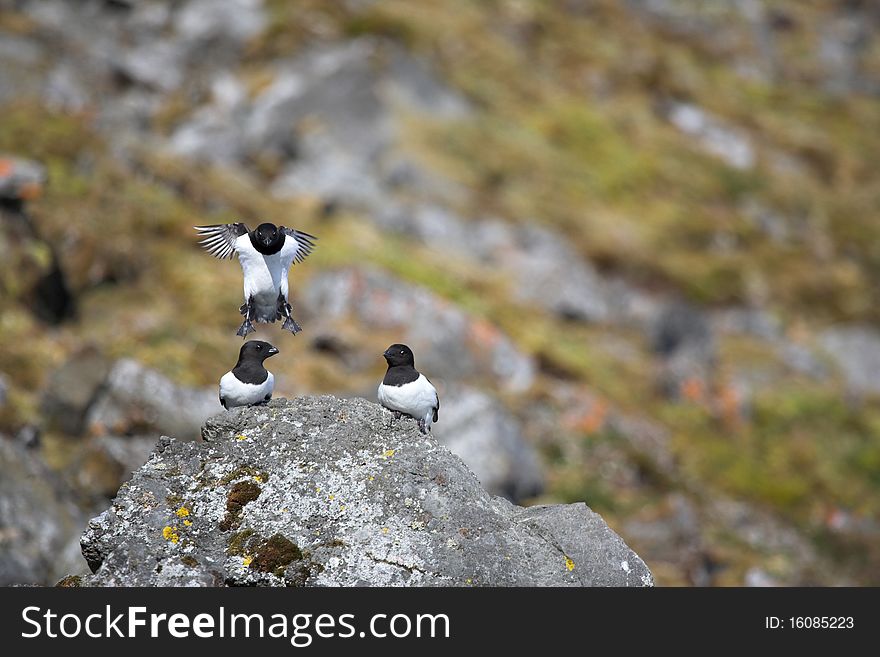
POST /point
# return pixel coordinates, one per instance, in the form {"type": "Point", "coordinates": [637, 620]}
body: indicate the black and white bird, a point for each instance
{"type": "Point", "coordinates": [266, 254]}
{"type": "Point", "coordinates": [406, 391]}
{"type": "Point", "coordinates": [249, 382]}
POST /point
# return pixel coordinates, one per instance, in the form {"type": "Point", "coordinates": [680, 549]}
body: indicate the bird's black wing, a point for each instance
{"type": "Point", "coordinates": [220, 238]}
{"type": "Point", "coordinates": [437, 399]}
{"type": "Point", "coordinates": [297, 248]}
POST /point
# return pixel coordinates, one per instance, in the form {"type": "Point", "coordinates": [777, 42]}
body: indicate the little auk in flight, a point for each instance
{"type": "Point", "coordinates": [405, 391]}
{"type": "Point", "coordinates": [248, 383]}
{"type": "Point", "coordinates": [266, 254]}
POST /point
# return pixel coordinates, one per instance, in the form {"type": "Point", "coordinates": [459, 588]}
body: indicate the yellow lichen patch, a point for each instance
{"type": "Point", "coordinates": [342, 507]}
{"type": "Point", "coordinates": [247, 560]}
{"type": "Point", "coordinates": [182, 512]}
{"type": "Point", "coordinates": [569, 564]}
{"type": "Point", "coordinates": [258, 479]}
{"type": "Point", "coordinates": [331, 497]}
{"type": "Point", "coordinates": [388, 454]}
{"type": "Point", "coordinates": [371, 478]}
{"type": "Point", "coordinates": [188, 523]}
{"type": "Point", "coordinates": [384, 530]}
{"type": "Point", "coordinates": [170, 534]}
{"type": "Point", "coordinates": [241, 437]}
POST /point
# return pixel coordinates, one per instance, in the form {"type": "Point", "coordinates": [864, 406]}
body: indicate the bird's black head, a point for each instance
{"type": "Point", "coordinates": [399, 354]}
{"type": "Point", "coordinates": [267, 235]}
{"type": "Point", "coordinates": [256, 350]}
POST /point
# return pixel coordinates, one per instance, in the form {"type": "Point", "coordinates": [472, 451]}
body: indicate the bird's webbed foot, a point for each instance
{"type": "Point", "coordinates": [284, 309]}
{"type": "Point", "coordinates": [246, 327]}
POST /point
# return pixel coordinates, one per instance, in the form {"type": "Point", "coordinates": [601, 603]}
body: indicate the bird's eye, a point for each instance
{"type": "Point", "coordinates": [402, 353]}
{"type": "Point", "coordinates": [259, 347]}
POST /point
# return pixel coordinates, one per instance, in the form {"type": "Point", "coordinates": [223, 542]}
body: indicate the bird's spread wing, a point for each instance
{"type": "Point", "coordinates": [297, 247]}
{"type": "Point", "coordinates": [219, 239]}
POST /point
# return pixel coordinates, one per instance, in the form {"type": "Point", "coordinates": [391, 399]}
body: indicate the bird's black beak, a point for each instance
{"type": "Point", "coordinates": [273, 351]}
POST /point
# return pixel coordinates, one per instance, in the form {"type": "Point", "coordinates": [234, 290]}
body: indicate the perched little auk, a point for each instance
{"type": "Point", "coordinates": [266, 254]}
{"type": "Point", "coordinates": [248, 383]}
{"type": "Point", "coordinates": [405, 391]}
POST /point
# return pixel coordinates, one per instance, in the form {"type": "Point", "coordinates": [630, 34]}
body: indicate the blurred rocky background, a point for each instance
{"type": "Point", "coordinates": [634, 244]}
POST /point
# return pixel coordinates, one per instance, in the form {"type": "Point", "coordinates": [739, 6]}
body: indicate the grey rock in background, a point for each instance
{"type": "Point", "coordinates": [18, 57]}
{"type": "Point", "coordinates": [489, 440]}
{"type": "Point", "coordinates": [91, 394]}
{"type": "Point", "coordinates": [103, 463]}
{"type": "Point", "coordinates": [38, 521]}
{"type": "Point", "coordinates": [19, 177]}
{"type": "Point", "coordinates": [72, 389]}
{"type": "Point", "coordinates": [856, 351]}
{"type": "Point", "coordinates": [448, 342]}
{"type": "Point", "coordinates": [137, 399]}
{"type": "Point", "coordinates": [328, 119]}
{"type": "Point", "coordinates": [234, 21]}
{"type": "Point", "coordinates": [130, 57]}
{"type": "Point", "coordinates": [542, 268]}
{"type": "Point", "coordinates": [321, 491]}
{"type": "Point", "coordinates": [727, 142]}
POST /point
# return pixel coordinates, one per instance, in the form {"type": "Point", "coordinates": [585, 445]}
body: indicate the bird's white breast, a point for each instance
{"type": "Point", "coordinates": [237, 393]}
{"type": "Point", "coordinates": [416, 398]}
{"type": "Point", "coordinates": [262, 273]}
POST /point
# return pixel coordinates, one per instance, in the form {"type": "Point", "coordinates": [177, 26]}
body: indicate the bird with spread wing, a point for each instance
{"type": "Point", "coordinates": [266, 254]}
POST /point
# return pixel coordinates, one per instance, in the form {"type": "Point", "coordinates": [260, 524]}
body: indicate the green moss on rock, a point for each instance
{"type": "Point", "coordinates": [237, 544]}
{"type": "Point", "coordinates": [275, 554]}
{"type": "Point", "coordinates": [239, 496]}
{"type": "Point", "coordinates": [69, 582]}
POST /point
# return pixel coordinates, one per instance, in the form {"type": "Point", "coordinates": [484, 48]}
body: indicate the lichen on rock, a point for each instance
{"type": "Point", "coordinates": [332, 508]}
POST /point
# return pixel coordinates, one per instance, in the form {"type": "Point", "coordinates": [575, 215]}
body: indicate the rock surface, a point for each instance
{"type": "Point", "coordinates": [448, 342]}
{"type": "Point", "coordinates": [856, 351]}
{"type": "Point", "coordinates": [38, 521]}
{"type": "Point", "coordinates": [322, 491]}
{"type": "Point", "coordinates": [542, 267]}
{"type": "Point", "coordinates": [137, 399]}
{"type": "Point", "coordinates": [91, 394]}
{"type": "Point", "coordinates": [72, 389]}
{"type": "Point", "coordinates": [489, 439]}
{"type": "Point", "coordinates": [329, 119]}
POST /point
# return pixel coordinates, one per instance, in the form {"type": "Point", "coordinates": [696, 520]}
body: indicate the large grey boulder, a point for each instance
{"type": "Point", "coordinates": [490, 441]}
{"type": "Point", "coordinates": [542, 267]}
{"type": "Point", "coordinates": [448, 342]}
{"type": "Point", "coordinates": [136, 399]}
{"type": "Point", "coordinates": [72, 389]}
{"type": "Point", "coordinates": [38, 521]}
{"type": "Point", "coordinates": [856, 352]}
{"type": "Point", "coordinates": [320, 491]}
{"type": "Point", "coordinates": [329, 119]}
